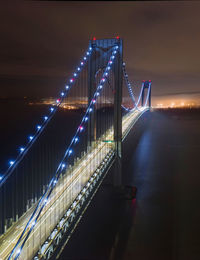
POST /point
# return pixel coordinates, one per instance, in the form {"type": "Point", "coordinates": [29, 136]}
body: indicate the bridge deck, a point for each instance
{"type": "Point", "coordinates": [61, 198]}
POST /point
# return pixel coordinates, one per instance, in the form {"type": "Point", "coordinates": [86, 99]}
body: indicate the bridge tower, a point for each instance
{"type": "Point", "coordinates": [146, 85]}
{"type": "Point", "coordinates": [101, 52]}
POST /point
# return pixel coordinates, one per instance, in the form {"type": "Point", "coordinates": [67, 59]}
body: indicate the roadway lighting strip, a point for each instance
{"type": "Point", "coordinates": [46, 119]}
{"type": "Point", "coordinates": [73, 215]}
{"type": "Point", "coordinates": [126, 132]}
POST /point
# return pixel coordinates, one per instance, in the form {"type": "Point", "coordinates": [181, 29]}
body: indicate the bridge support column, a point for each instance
{"type": "Point", "coordinates": [147, 85]}
{"type": "Point", "coordinates": [150, 94]}
{"type": "Point", "coordinates": [92, 67]}
{"type": "Point", "coordinates": [142, 100]}
{"type": "Point", "coordinates": [117, 181]}
{"type": "Point", "coordinates": [98, 60]}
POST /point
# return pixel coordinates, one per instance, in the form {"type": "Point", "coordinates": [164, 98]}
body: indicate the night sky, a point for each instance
{"type": "Point", "coordinates": [42, 42]}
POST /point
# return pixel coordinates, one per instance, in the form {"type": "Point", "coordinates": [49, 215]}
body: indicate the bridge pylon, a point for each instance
{"type": "Point", "coordinates": [97, 61]}
{"type": "Point", "coordinates": [146, 85]}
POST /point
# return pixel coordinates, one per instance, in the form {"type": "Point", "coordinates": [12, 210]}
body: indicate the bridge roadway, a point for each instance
{"type": "Point", "coordinates": [67, 188]}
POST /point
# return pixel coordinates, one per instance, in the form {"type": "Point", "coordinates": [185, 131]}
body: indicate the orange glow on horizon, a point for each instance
{"type": "Point", "coordinates": [176, 105]}
{"type": "Point", "coordinates": [162, 102]}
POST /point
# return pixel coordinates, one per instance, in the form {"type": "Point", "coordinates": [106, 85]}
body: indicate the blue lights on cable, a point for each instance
{"type": "Point", "coordinates": [47, 118]}
{"type": "Point", "coordinates": [128, 84]}
{"type": "Point", "coordinates": [131, 92]}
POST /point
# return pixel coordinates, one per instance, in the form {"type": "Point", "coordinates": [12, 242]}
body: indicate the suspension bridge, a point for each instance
{"type": "Point", "coordinates": [48, 186]}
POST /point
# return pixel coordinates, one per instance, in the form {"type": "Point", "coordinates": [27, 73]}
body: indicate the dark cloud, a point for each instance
{"type": "Point", "coordinates": [43, 41]}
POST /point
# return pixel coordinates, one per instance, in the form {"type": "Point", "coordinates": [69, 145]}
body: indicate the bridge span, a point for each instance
{"type": "Point", "coordinates": [56, 212]}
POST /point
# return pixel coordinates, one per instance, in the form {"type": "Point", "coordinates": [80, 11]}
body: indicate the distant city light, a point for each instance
{"type": "Point", "coordinates": [175, 104]}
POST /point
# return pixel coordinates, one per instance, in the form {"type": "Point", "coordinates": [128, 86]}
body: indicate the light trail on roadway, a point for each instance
{"type": "Point", "coordinates": [66, 190]}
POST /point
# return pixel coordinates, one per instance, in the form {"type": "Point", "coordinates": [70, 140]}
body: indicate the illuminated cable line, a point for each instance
{"type": "Point", "coordinates": [138, 101]}
{"type": "Point", "coordinates": [125, 108]}
{"type": "Point", "coordinates": [53, 110]}
{"type": "Point", "coordinates": [128, 84]}
{"type": "Point", "coordinates": [131, 92]}
{"type": "Point", "coordinates": [57, 174]}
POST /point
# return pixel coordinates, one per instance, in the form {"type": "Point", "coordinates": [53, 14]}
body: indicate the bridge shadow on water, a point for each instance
{"type": "Point", "coordinates": [161, 158]}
